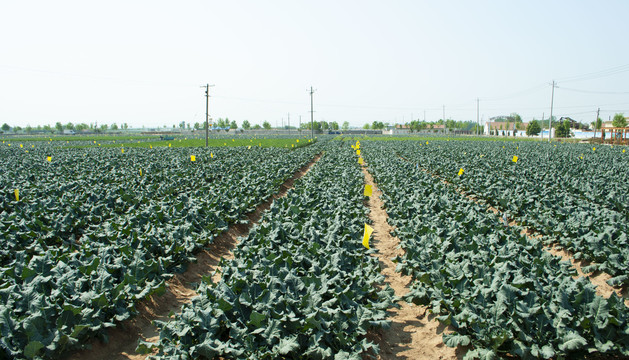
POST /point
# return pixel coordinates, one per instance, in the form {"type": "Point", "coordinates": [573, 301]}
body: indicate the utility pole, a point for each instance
{"type": "Point", "coordinates": [207, 113]}
{"type": "Point", "coordinates": [550, 119]}
{"type": "Point", "coordinates": [477, 116]}
{"type": "Point", "coordinates": [444, 114]}
{"type": "Point", "coordinates": [300, 124]}
{"type": "Point", "coordinates": [288, 123]}
{"type": "Point", "coordinates": [424, 115]}
{"type": "Point", "coordinates": [596, 121]}
{"type": "Point", "coordinates": [311, 115]}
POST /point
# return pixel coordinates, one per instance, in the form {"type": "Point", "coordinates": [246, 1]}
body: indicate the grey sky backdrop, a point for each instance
{"type": "Point", "coordinates": [143, 62]}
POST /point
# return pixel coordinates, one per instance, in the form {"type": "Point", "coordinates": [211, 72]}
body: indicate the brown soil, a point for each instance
{"type": "Point", "coordinates": [123, 339]}
{"type": "Point", "coordinates": [414, 333]}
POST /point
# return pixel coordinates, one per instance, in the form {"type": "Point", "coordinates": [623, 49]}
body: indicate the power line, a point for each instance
{"type": "Point", "coordinates": [597, 74]}
{"type": "Point", "coordinates": [594, 91]}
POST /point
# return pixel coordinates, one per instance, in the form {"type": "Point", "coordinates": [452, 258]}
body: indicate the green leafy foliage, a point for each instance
{"type": "Point", "coordinates": [500, 291]}
{"type": "Point", "coordinates": [300, 285]}
{"type": "Point", "coordinates": [91, 235]}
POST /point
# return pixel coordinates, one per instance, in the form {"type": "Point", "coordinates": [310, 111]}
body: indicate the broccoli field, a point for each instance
{"type": "Point", "coordinates": [90, 231]}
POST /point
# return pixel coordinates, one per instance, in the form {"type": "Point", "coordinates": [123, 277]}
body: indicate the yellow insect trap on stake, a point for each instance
{"type": "Point", "coordinates": [515, 159]}
{"type": "Point", "coordinates": [358, 152]}
{"type": "Point", "coordinates": [17, 194]}
{"type": "Point", "coordinates": [368, 190]}
{"type": "Point", "coordinates": [366, 235]}
{"type": "Point", "coordinates": [461, 172]}
{"type": "Point", "coordinates": [193, 158]}
{"type": "Point", "coordinates": [49, 158]}
{"type": "Point", "coordinates": [361, 161]}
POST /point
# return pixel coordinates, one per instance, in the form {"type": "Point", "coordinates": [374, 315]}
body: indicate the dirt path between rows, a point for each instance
{"type": "Point", "coordinates": [123, 339]}
{"type": "Point", "coordinates": [598, 279]}
{"type": "Point", "coordinates": [414, 333]}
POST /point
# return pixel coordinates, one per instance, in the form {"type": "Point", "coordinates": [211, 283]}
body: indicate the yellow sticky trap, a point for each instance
{"type": "Point", "coordinates": [9, 144]}
{"type": "Point", "coordinates": [150, 146]}
{"type": "Point", "coordinates": [33, 146]}
{"type": "Point", "coordinates": [249, 147]}
{"type": "Point", "coordinates": [140, 172]}
{"type": "Point", "coordinates": [260, 144]}
{"type": "Point", "coordinates": [353, 146]}
{"type": "Point", "coordinates": [212, 155]}
{"type": "Point", "coordinates": [169, 144]}
{"type": "Point", "coordinates": [515, 159]}
{"type": "Point", "coordinates": [297, 140]}
{"type": "Point", "coordinates": [366, 235]}
{"type": "Point", "coordinates": [21, 145]}
{"type": "Point", "coordinates": [593, 149]}
{"type": "Point", "coordinates": [122, 150]}
{"type": "Point", "coordinates": [94, 141]}
{"type": "Point", "coordinates": [49, 158]}
{"type": "Point", "coordinates": [361, 161]}
{"type": "Point", "coordinates": [224, 144]}
{"type": "Point", "coordinates": [623, 151]}
{"type": "Point", "coordinates": [368, 190]}
{"type": "Point", "coordinates": [426, 142]}
{"type": "Point", "coordinates": [292, 145]}
{"type": "Point", "coordinates": [17, 194]}
{"type": "Point", "coordinates": [233, 140]}
{"type": "Point", "coordinates": [98, 144]}
{"type": "Point", "coordinates": [193, 158]}
{"type": "Point", "coordinates": [461, 172]}
{"type": "Point", "coordinates": [358, 152]}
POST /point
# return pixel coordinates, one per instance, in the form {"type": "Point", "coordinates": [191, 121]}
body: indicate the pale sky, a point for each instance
{"type": "Point", "coordinates": [143, 62]}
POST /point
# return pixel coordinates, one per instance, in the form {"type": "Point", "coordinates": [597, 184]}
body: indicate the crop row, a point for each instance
{"type": "Point", "coordinates": [300, 285]}
{"type": "Point", "coordinates": [95, 230]}
{"type": "Point", "coordinates": [576, 197]}
{"type": "Point", "coordinates": [501, 292]}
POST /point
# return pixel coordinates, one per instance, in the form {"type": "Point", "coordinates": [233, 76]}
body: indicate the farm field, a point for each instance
{"type": "Point", "coordinates": [89, 231]}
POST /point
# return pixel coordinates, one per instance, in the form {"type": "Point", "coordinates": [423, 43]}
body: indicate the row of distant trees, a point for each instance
{"type": "Point", "coordinates": [59, 128]}
{"type": "Point", "coordinates": [562, 128]}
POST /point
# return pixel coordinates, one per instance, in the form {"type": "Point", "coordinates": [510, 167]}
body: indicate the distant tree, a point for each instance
{"type": "Point", "coordinates": [188, 126]}
{"type": "Point", "coordinates": [257, 127]}
{"type": "Point", "coordinates": [599, 123]}
{"type": "Point", "coordinates": [47, 128]}
{"type": "Point", "coordinates": [69, 126]}
{"type": "Point", "coordinates": [246, 125]}
{"type": "Point", "coordinates": [233, 125]}
{"type": "Point", "coordinates": [266, 125]}
{"type": "Point", "coordinates": [28, 129]}
{"type": "Point", "coordinates": [6, 127]}
{"type": "Point", "coordinates": [533, 128]}
{"type": "Point", "coordinates": [182, 125]}
{"type": "Point", "coordinates": [114, 126]}
{"type": "Point", "coordinates": [80, 127]}
{"type": "Point", "coordinates": [59, 127]}
{"type": "Point", "coordinates": [125, 126]}
{"type": "Point", "coordinates": [376, 125]}
{"type": "Point", "coordinates": [366, 127]}
{"type": "Point", "coordinates": [103, 127]}
{"type": "Point", "coordinates": [516, 118]}
{"type": "Point", "coordinates": [619, 120]}
{"type": "Point", "coordinates": [345, 126]}
{"type": "Point", "coordinates": [560, 130]}
{"type": "Point", "coordinates": [333, 125]}
{"type": "Point", "coordinates": [197, 126]}
{"type": "Point", "coordinates": [17, 128]}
